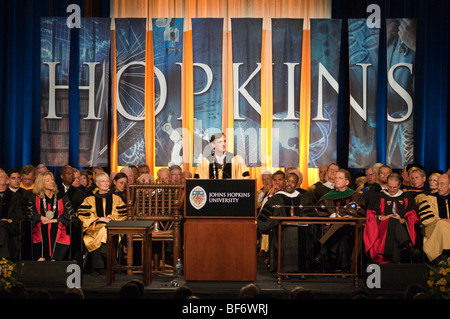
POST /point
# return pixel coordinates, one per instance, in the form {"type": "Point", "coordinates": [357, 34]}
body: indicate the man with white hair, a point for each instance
{"type": "Point", "coordinates": [146, 178]}
{"type": "Point", "coordinates": [324, 188]}
{"type": "Point", "coordinates": [418, 178]}
{"type": "Point", "coordinates": [163, 176]}
{"type": "Point", "coordinates": [129, 172]}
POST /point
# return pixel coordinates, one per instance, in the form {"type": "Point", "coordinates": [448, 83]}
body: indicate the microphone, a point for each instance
{"type": "Point", "coordinates": [352, 205]}
{"type": "Point", "coordinates": [213, 153]}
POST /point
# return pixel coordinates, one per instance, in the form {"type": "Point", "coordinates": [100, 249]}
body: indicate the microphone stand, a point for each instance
{"type": "Point", "coordinates": [213, 154]}
{"type": "Point", "coordinates": [348, 206]}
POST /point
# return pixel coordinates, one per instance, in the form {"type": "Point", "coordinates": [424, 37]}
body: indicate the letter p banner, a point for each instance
{"type": "Point", "coordinates": [374, 279]}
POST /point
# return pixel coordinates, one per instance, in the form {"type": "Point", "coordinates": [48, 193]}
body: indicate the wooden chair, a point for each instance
{"type": "Point", "coordinates": [160, 203]}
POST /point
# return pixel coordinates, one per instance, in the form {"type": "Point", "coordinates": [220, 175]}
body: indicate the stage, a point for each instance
{"type": "Point", "coordinates": [163, 287]}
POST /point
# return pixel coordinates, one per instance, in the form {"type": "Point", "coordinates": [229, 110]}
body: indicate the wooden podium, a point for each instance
{"type": "Point", "coordinates": [220, 230]}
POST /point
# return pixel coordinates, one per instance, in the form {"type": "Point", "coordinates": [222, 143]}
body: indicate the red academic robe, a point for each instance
{"type": "Point", "coordinates": [375, 230]}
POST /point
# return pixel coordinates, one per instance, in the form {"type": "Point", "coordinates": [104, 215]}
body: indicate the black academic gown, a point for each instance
{"type": "Point", "coordinates": [76, 198]}
{"type": "Point", "coordinates": [51, 241]}
{"type": "Point", "coordinates": [11, 207]}
{"type": "Point", "coordinates": [296, 241]}
{"type": "Point", "coordinates": [383, 240]}
{"type": "Point", "coordinates": [338, 239]}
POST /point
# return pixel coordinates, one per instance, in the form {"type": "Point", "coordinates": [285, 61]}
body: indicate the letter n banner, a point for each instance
{"type": "Point", "coordinates": [325, 58]}
{"type": "Point", "coordinates": [363, 45]}
{"type": "Point", "coordinates": [286, 59]}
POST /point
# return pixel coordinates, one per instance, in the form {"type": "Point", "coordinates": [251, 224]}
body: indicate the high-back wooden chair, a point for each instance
{"type": "Point", "coordinates": [160, 203]}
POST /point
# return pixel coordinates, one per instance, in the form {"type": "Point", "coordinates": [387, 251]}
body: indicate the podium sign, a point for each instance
{"type": "Point", "coordinates": [206, 198]}
{"type": "Point", "coordinates": [220, 230]}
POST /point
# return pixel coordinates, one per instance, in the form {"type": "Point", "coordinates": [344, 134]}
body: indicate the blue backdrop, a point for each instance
{"type": "Point", "coordinates": [20, 74]}
{"type": "Point", "coordinates": [20, 67]}
{"type": "Point", "coordinates": [431, 78]}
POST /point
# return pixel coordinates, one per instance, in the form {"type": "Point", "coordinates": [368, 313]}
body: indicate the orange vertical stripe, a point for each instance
{"type": "Point", "coordinates": [187, 108]}
{"type": "Point", "coordinates": [149, 103]}
{"type": "Point", "coordinates": [113, 152]}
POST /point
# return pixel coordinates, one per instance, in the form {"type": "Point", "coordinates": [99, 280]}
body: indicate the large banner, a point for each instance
{"type": "Point", "coordinates": [401, 47]}
{"type": "Point", "coordinates": [130, 94]}
{"type": "Point", "coordinates": [247, 43]}
{"type": "Point", "coordinates": [286, 59]}
{"type": "Point", "coordinates": [94, 91]}
{"type": "Point", "coordinates": [325, 59]}
{"type": "Point", "coordinates": [363, 45]}
{"type": "Point", "coordinates": [207, 43]}
{"type": "Point", "coordinates": [55, 51]}
{"type": "Point", "coordinates": [168, 58]}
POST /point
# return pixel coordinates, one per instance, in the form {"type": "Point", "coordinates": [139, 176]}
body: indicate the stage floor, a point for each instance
{"type": "Point", "coordinates": [163, 287]}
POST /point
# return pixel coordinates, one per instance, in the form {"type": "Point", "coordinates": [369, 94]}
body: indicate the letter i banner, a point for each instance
{"type": "Point", "coordinates": [286, 58]}
{"type": "Point", "coordinates": [168, 58]}
{"type": "Point", "coordinates": [400, 47]}
{"type": "Point", "coordinates": [55, 52]}
{"type": "Point", "coordinates": [325, 60]}
{"type": "Point", "coordinates": [207, 44]}
{"type": "Point", "coordinates": [246, 44]}
{"type": "Point", "coordinates": [95, 43]}
{"type": "Point", "coordinates": [130, 90]}
{"type": "Point", "coordinates": [363, 62]}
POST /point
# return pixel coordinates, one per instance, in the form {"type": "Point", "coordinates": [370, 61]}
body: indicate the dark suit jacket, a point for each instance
{"type": "Point", "coordinates": [12, 207]}
{"type": "Point", "coordinates": [26, 195]}
{"type": "Point", "coordinates": [75, 196]}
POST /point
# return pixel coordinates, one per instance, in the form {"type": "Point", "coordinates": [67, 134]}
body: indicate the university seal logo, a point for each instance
{"type": "Point", "coordinates": [197, 197]}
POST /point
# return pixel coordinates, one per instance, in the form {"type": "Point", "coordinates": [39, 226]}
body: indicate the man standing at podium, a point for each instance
{"type": "Point", "coordinates": [296, 241]}
{"type": "Point", "coordinates": [221, 164]}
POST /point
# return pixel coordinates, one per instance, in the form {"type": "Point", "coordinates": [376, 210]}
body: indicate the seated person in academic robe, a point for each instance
{"type": "Point", "coordinates": [322, 178]}
{"type": "Point", "coordinates": [221, 164]}
{"type": "Point", "coordinates": [27, 175]}
{"type": "Point", "coordinates": [418, 179]}
{"type": "Point", "coordinates": [95, 212]}
{"type": "Point", "coordinates": [296, 241]}
{"type": "Point", "coordinates": [12, 211]}
{"type": "Point", "coordinates": [76, 197]}
{"type": "Point", "coordinates": [50, 214]}
{"type": "Point", "coordinates": [380, 184]}
{"type": "Point", "coordinates": [337, 241]}
{"type": "Point", "coordinates": [14, 185]}
{"type": "Point", "coordinates": [434, 213]}
{"type": "Point", "coordinates": [390, 224]}
{"type": "Point", "coordinates": [328, 185]}
{"type": "Point", "coordinates": [266, 178]}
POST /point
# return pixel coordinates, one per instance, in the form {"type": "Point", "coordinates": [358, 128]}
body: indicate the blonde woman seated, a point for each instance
{"type": "Point", "coordinates": [95, 212]}
{"type": "Point", "coordinates": [50, 215]}
{"type": "Point", "coordinates": [433, 182]}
